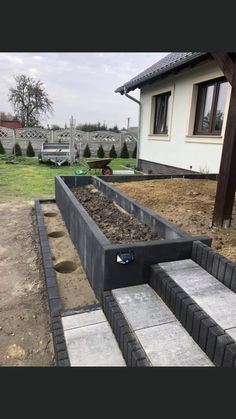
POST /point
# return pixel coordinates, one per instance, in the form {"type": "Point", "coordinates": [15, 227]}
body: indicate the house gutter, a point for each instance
{"type": "Point", "coordinates": [139, 122]}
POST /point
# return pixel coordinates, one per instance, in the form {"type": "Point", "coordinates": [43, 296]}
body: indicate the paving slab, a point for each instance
{"type": "Point", "coordinates": [178, 264]}
{"type": "Point", "coordinates": [142, 307]}
{"type": "Point", "coordinates": [90, 340]}
{"type": "Point", "coordinates": [210, 294]}
{"type": "Point", "coordinates": [161, 335]}
{"type": "Point", "coordinates": [170, 345]}
{"type": "Point", "coordinates": [83, 319]}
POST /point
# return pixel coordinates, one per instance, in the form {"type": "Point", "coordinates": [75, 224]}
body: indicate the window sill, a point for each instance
{"type": "Point", "coordinates": [159, 137]}
{"type": "Point", "coordinates": [205, 139]}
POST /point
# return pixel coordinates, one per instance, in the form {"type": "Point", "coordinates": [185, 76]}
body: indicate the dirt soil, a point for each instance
{"type": "Point", "coordinates": [189, 203]}
{"type": "Point", "coordinates": [25, 338]}
{"type": "Point", "coordinates": [117, 225]}
{"type": "Point", "coordinates": [74, 288]}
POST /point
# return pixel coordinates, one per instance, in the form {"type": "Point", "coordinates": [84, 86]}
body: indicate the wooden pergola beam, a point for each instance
{"type": "Point", "coordinates": [226, 65]}
{"type": "Point", "coordinates": [226, 184]}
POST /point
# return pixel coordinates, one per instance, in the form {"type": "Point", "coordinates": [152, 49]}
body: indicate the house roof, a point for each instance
{"type": "Point", "coordinates": [14, 123]}
{"type": "Point", "coordinates": [165, 65]}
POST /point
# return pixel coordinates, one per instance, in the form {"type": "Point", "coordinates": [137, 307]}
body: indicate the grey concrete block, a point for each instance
{"type": "Point", "coordinates": [205, 252]}
{"type": "Point", "coordinates": [229, 355]}
{"type": "Point", "coordinates": [178, 302]}
{"type": "Point", "coordinates": [210, 259]}
{"type": "Point", "coordinates": [203, 333]}
{"type": "Point", "coordinates": [184, 309]}
{"type": "Point", "coordinates": [215, 265]}
{"type": "Point", "coordinates": [233, 282]}
{"type": "Point", "coordinates": [222, 267]}
{"type": "Point", "coordinates": [191, 310]}
{"type": "Point", "coordinates": [197, 319]}
{"type": "Point", "coordinates": [199, 254]}
{"type": "Point", "coordinates": [221, 343]}
{"type": "Point", "coordinates": [213, 333]}
{"type": "Point", "coordinates": [228, 274]}
{"type": "Point", "coordinates": [132, 347]}
{"type": "Point", "coordinates": [194, 250]}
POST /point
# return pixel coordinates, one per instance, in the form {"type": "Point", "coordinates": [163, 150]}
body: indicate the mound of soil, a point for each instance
{"type": "Point", "coordinates": [188, 203]}
{"type": "Point", "coordinates": [117, 225]}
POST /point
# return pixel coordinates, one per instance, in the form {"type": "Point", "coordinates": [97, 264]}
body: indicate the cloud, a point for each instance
{"type": "Point", "coordinates": [12, 59]}
{"type": "Point", "coordinates": [37, 58]}
{"type": "Point", "coordinates": [80, 84]}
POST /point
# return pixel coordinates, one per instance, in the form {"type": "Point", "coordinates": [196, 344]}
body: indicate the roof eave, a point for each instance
{"type": "Point", "coordinates": [162, 75]}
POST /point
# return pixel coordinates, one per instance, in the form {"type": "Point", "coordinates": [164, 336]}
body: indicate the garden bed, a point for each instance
{"type": "Point", "coordinates": [117, 225]}
{"type": "Point", "coordinates": [107, 264]}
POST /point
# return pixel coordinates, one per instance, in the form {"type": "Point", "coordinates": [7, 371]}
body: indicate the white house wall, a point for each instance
{"type": "Point", "coordinates": [180, 148]}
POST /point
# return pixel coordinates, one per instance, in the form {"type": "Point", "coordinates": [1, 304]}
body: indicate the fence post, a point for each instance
{"type": "Point", "coordinates": [14, 142]}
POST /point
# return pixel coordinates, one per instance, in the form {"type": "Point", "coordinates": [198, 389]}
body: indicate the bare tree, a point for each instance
{"type": "Point", "coordinates": [29, 100]}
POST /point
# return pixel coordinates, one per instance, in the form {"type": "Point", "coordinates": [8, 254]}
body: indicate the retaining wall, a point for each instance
{"type": "Point", "coordinates": [99, 256]}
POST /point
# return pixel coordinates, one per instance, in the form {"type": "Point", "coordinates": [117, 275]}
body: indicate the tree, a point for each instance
{"type": "Point", "coordinates": [87, 152]}
{"type": "Point", "coordinates": [100, 152]}
{"type": "Point", "coordinates": [29, 100]}
{"type": "Point", "coordinates": [17, 150]}
{"type": "Point", "coordinates": [2, 149]}
{"type": "Point", "coordinates": [113, 153]}
{"type": "Point", "coordinates": [124, 152]}
{"type": "Point", "coordinates": [115, 129]}
{"type": "Point", "coordinates": [134, 154]}
{"type": "Point", "coordinates": [55, 127]}
{"type": "Point", "coordinates": [7, 116]}
{"type": "Point", "coordinates": [30, 151]}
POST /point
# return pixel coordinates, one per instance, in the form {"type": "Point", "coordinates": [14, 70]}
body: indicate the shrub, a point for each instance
{"type": "Point", "coordinates": [30, 151]}
{"type": "Point", "coordinates": [2, 149]}
{"type": "Point", "coordinates": [17, 150]}
{"type": "Point", "coordinates": [87, 152]}
{"type": "Point", "coordinates": [100, 152]}
{"type": "Point", "coordinates": [134, 154]}
{"type": "Point", "coordinates": [124, 152]}
{"type": "Point", "coordinates": [113, 153]}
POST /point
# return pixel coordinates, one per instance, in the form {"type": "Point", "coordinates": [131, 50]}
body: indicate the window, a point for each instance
{"type": "Point", "coordinates": [161, 114]}
{"type": "Point", "coordinates": [210, 107]}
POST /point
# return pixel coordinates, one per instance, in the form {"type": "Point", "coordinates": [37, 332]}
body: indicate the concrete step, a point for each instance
{"type": "Point", "coordinates": [90, 340]}
{"type": "Point", "coordinates": [218, 301]}
{"type": "Point", "coordinates": [164, 340]}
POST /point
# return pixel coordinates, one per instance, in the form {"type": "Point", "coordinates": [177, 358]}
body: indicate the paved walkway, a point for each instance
{"type": "Point", "coordinates": [90, 340]}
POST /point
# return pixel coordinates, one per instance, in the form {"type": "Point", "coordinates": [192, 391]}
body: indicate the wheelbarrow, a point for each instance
{"type": "Point", "coordinates": [101, 164]}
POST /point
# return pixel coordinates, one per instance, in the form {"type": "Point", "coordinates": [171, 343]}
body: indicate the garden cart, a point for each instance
{"type": "Point", "coordinates": [101, 164]}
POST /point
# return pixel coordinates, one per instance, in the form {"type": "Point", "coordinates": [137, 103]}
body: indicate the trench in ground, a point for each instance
{"type": "Point", "coordinates": [74, 288]}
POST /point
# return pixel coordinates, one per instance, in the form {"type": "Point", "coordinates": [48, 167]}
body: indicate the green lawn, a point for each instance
{"type": "Point", "coordinates": [28, 180]}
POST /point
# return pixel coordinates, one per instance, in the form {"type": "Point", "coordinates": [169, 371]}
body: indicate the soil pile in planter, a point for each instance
{"type": "Point", "coordinates": [117, 225]}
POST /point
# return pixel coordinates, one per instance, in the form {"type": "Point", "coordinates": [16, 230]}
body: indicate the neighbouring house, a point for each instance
{"type": "Point", "coordinates": [13, 124]}
{"type": "Point", "coordinates": [184, 101]}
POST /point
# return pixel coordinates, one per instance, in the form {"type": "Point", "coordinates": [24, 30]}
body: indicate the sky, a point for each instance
{"type": "Point", "coordinates": [81, 85]}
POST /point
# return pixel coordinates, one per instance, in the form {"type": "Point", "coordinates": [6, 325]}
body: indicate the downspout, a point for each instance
{"type": "Point", "coordinates": [139, 123]}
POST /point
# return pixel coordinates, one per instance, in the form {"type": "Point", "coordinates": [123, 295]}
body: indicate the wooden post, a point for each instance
{"type": "Point", "coordinates": [226, 184]}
